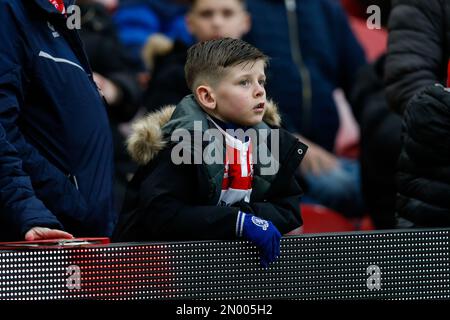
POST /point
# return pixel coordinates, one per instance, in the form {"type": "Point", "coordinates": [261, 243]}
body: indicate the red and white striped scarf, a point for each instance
{"type": "Point", "coordinates": [238, 173]}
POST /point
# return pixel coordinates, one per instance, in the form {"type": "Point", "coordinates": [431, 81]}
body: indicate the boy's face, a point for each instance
{"type": "Point", "coordinates": [214, 19]}
{"type": "Point", "coordinates": [240, 96]}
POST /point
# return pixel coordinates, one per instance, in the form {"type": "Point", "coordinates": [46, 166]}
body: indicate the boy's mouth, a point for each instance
{"type": "Point", "coordinates": [259, 107]}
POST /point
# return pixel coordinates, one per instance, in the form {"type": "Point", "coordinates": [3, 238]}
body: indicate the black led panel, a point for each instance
{"type": "Point", "coordinates": [399, 265]}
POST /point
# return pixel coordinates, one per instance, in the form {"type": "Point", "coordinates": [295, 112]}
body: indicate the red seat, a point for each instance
{"type": "Point", "coordinates": [317, 219]}
{"type": "Point", "coordinates": [374, 42]}
{"type": "Point", "coordinates": [320, 219]}
{"type": "Point", "coordinates": [366, 224]}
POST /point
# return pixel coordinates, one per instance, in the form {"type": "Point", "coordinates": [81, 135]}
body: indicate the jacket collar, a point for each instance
{"type": "Point", "coordinates": [149, 134]}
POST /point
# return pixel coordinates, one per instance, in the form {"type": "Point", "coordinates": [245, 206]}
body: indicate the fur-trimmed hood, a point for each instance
{"type": "Point", "coordinates": [147, 138]}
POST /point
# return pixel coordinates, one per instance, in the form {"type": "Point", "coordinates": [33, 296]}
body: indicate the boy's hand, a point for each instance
{"type": "Point", "coordinates": [263, 234]}
{"type": "Point", "coordinates": [40, 233]}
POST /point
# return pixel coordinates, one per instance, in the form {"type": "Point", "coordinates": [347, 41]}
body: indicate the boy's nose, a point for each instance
{"type": "Point", "coordinates": [217, 21]}
{"type": "Point", "coordinates": [259, 91]}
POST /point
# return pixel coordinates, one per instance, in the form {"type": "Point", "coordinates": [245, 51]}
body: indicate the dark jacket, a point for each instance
{"type": "Point", "coordinates": [380, 144]}
{"type": "Point", "coordinates": [54, 116]}
{"type": "Point", "coordinates": [19, 207]}
{"type": "Point", "coordinates": [418, 55]}
{"type": "Point", "coordinates": [167, 85]}
{"type": "Point", "coordinates": [424, 164]}
{"type": "Point", "coordinates": [329, 58]}
{"type": "Point", "coordinates": [179, 202]}
{"type": "Point", "coordinates": [418, 48]}
{"type": "Point", "coordinates": [109, 58]}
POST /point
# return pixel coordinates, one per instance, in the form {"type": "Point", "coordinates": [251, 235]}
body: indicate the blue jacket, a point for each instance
{"type": "Point", "coordinates": [138, 19]}
{"type": "Point", "coordinates": [331, 55]}
{"type": "Point", "coordinates": [55, 118]}
{"type": "Point", "coordinates": [20, 209]}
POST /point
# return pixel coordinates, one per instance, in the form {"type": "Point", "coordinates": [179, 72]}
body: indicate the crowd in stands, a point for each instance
{"type": "Point", "coordinates": [85, 117]}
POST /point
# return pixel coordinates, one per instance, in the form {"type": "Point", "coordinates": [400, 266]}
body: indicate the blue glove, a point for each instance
{"type": "Point", "coordinates": [261, 233]}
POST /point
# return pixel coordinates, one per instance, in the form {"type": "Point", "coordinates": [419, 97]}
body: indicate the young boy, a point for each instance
{"type": "Point", "coordinates": [235, 198]}
{"type": "Point", "coordinates": [205, 20]}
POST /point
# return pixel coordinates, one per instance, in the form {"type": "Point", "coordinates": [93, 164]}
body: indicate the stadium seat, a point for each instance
{"type": "Point", "coordinates": [319, 219]}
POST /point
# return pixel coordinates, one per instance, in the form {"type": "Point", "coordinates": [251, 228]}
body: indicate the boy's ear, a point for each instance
{"type": "Point", "coordinates": [206, 97]}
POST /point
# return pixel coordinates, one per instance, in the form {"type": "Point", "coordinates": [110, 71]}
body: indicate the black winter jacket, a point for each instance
{"type": "Point", "coordinates": [424, 177]}
{"type": "Point", "coordinates": [419, 43]}
{"type": "Point", "coordinates": [418, 48]}
{"type": "Point", "coordinates": [165, 201]}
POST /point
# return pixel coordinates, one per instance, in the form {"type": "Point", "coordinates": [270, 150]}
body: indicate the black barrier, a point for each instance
{"type": "Point", "coordinates": [399, 265]}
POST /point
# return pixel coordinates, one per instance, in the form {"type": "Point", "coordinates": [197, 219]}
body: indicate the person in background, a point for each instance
{"type": "Point", "coordinates": [416, 72]}
{"type": "Point", "coordinates": [313, 52]}
{"type": "Point", "coordinates": [55, 119]}
{"type": "Point", "coordinates": [380, 144]}
{"type": "Point", "coordinates": [114, 74]}
{"type": "Point", "coordinates": [380, 127]}
{"type": "Point", "coordinates": [206, 20]}
{"type": "Point", "coordinates": [137, 20]}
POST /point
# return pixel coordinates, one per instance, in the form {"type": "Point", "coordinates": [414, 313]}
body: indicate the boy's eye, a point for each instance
{"type": "Point", "coordinates": [244, 83]}
{"type": "Point", "coordinates": [262, 82]}
{"type": "Point", "coordinates": [206, 14]}
{"type": "Point", "coordinates": [228, 13]}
